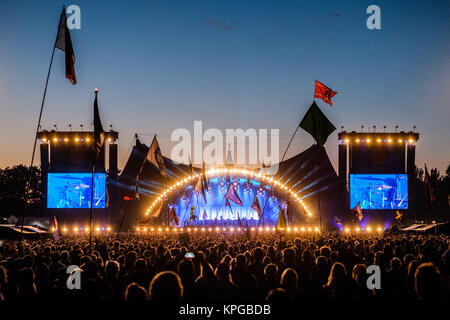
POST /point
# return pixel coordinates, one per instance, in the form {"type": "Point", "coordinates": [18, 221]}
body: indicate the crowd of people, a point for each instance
{"type": "Point", "coordinates": [219, 267]}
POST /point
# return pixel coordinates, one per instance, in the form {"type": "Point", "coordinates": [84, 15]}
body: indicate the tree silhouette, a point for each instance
{"type": "Point", "coordinates": [13, 182]}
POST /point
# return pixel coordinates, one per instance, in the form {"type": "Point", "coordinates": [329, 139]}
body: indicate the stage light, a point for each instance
{"type": "Point", "coordinates": [174, 229]}
{"type": "Point", "coordinates": [224, 229]}
{"type": "Point", "coordinates": [188, 229]}
{"type": "Point", "coordinates": [295, 229]}
{"type": "Point", "coordinates": [357, 140]}
{"type": "Point", "coordinates": [108, 229]}
{"type": "Point", "coordinates": [159, 229]}
{"type": "Point", "coordinates": [302, 229]}
{"type": "Point", "coordinates": [238, 229]}
{"type": "Point", "coordinates": [357, 229]}
{"type": "Point", "coordinates": [64, 229]}
{"type": "Point", "coordinates": [400, 140]}
{"type": "Point", "coordinates": [203, 229]}
{"type": "Point", "coordinates": [145, 229]}
{"type": "Point", "coordinates": [217, 229]}
{"type": "Point", "coordinates": [231, 229]}
{"type": "Point", "coordinates": [288, 229]}
{"type": "Point", "coordinates": [167, 229]}
{"type": "Point", "coordinates": [369, 229]}
{"type": "Point", "coordinates": [253, 228]}
{"type": "Point", "coordinates": [209, 229]}
{"type": "Point", "coordinates": [411, 141]}
{"type": "Point", "coordinates": [97, 229]}
{"type": "Point", "coordinates": [55, 140]}
{"type": "Point", "coordinates": [53, 229]}
{"type": "Point", "coordinates": [379, 229]}
{"type": "Point", "coordinates": [138, 229]}
{"type": "Point", "coordinates": [368, 140]}
{"type": "Point", "coordinates": [378, 140]}
{"type": "Point", "coordinates": [152, 229]}
{"type": "Point", "coordinates": [109, 139]}
{"type": "Point", "coordinates": [267, 229]}
{"type": "Point", "coordinates": [389, 140]}
{"type": "Point", "coordinates": [347, 230]}
{"type": "Point", "coordinates": [86, 229]}
{"type": "Point", "coordinates": [75, 229]}
{"type": "Point", "coordinates": [317, 229]}
{"type": "Point", "coordinates": [77, 139]}
{"type": "Point", "coordinates": [347, 140]}
{"type": "Point", "coordinates": [44, 140]}
{"type": "Point", "coordinates": [310, 229]}
{"type": "Point", "coordinates": [65, 139]}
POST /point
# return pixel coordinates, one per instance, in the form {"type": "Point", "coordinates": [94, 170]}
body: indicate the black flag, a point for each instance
{"type": "Point", "coordinates": [64, 43]}
{"type": "Point", "coordinates": [99, 134]}
{"type": "Point", "coordinates": [317, 124]}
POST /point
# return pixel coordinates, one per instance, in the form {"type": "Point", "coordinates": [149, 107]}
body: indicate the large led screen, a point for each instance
{"type": "Point", "coordinates": [73, 190]}
{"type": "Point", "coordinates": [379, 191]}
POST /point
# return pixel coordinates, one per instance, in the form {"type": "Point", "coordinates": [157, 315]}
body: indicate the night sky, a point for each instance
{"type": "Point", "coordinates": [160, 65]}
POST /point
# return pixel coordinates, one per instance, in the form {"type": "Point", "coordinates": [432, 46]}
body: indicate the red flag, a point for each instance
{"type": "Point", "coordinates": [64, 43]}
{"type": "Point", "coordinates": [426, 180]}
{"type": "Point", "coordinates": [323, 92]}
{"type": "Point", "coordinates": [173, 215]}
{"type": "Point", "coordinates": [357, 211]}
{"type": "Point", "coordinates": [256, 206]}
{"type": "Point", "coordinates": [232, 195]}
{"type": "Point", "coordinates": [239, 220]}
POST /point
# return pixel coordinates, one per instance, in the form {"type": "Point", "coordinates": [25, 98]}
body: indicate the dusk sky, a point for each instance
{"type": "Point", "coordinates": [160, 65]}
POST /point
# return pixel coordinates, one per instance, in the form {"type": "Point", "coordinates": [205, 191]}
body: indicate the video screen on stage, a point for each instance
{"type": "Point", "coordinates": [379, 191]}
{"type": "Point", "coordinates": [73, 190]}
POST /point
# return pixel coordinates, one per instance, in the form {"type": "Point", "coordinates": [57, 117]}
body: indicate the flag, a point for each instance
{"type": "Point", "coordinates": [205, 216]}
{"type": "Point", "coordinates": [281, 223]}
{"type": "Point", "coordinates": [426, 180]}
{"type": "Point", "coordinates": [199, 187]}
{"type": "Point", "coordinates": [239, 220]}
{"type": "Point", "coordinates": [193, 216]}
{"type": "Point", "coordinates": [64, 43]}
{"type": "Point", "coordinates": [173, 215]}
{"type": "Point", "coordinates": [398, 216]}
{"type": "Point", "coordinates": [99, 133]}
{"type": "Point", "coordinates": [256, 206]}
{"type": "Point", "coordinates": [158, 210]}
{"type": "Point", "coordinates": [232, 195]}
{"type": "Point", "coordinates": [324, 93]}
{"type": "Point", "coordinates": [56, 232]}
{"type": "Point", "coordinates": [155, 156]}
{"type": "Point", "coordinates": [338, 221]}
{"type": "Point", "coordinates": [205, 182]}
{"type": "Point", "coordinates": [357, 212]}
{"type": "Point", "coordinates": [317, 124]}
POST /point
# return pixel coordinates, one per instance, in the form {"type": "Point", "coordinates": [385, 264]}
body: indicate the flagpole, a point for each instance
{"type": "Point", "coordinates": [318, 197]}
{"type": "Point", "coordinates": [27, 186]}
{"type": "Point", "coordinates": [262, 215]}
{"type": "Point", "coordinates": [289, 144]}
{"type": "Point", "coordinates": [92, 198]}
